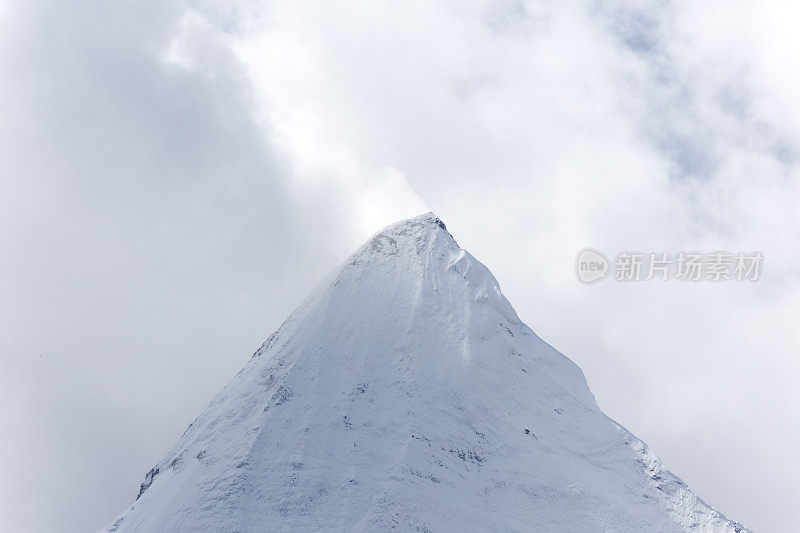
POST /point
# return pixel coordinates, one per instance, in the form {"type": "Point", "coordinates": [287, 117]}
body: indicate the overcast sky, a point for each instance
{"type": "Point", "coordinates": [175, 176]}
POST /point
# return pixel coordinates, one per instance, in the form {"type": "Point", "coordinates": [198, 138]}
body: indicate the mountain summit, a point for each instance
{"type": "Point", "coordinates": [407, 394]}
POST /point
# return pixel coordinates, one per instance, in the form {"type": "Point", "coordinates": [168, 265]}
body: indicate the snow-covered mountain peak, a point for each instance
{"type": "Point", "coordinates": [410, 236]}
{"type": "Point", "coordinates": [422, 245]}
{"type": "Point", "coordinates": [426, 220]}
{"type": "Point", "coordinates": [408, 395]}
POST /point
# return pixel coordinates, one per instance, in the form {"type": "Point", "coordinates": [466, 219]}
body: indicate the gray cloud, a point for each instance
{"type": "Point", "coordinates": [145, 222]}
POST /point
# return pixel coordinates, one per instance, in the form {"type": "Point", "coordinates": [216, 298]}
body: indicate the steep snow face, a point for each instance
{"type": "Point", "coordinates": [408, 394]}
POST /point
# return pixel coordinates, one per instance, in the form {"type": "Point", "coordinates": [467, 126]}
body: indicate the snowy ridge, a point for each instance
{"type": "Point", "coordinates": [407, 394]}
{"type": "Point", "coordinates": [687, 509]}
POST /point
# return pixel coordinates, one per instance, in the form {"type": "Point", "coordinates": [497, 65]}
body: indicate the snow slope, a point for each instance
{"type": "Point", "coordinates": [407, 394]}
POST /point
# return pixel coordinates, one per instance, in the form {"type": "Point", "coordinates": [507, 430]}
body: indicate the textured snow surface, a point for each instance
{"type": "Point", "coordinates": [407, 394]}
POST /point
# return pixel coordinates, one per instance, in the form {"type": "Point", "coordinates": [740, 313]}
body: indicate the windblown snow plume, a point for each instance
{"type": "Point", "coordinates": [407, 394]}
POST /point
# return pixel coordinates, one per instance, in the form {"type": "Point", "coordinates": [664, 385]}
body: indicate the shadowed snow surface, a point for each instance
{"type": "Point", "coordinates": [407, 394]}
